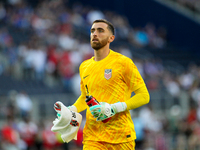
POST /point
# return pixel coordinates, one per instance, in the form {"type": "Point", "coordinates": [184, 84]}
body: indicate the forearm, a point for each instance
{"type": "Point", "coordinates": [80, 103]}
{"type": "Point", "coordinates": [140, 98]}
{"type": "Point", "coordinates": [105, 110]}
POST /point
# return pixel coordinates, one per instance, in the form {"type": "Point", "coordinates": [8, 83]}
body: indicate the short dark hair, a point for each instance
{"type": "Point", "coordinates": [110, 25]}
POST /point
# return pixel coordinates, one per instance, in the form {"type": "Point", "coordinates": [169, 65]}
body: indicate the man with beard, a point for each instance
{"type": "Point", "coordinates": [111, 78]}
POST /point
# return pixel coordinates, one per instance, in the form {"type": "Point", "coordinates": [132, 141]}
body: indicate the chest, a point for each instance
{"type": "Point", "coordinates": [102, 76]}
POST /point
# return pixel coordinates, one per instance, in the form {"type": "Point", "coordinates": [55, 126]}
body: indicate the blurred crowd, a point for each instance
{"type": "Point", "coordinates": [19, 131]}
{"type": "Point", "coordinates": [48, 41]}
{"type": "Point", "coordinates": [193, 5]}
{"type": "Point", "coordinates": [52, 38]}
{"type": "Point", "coordinates": [176, 127]}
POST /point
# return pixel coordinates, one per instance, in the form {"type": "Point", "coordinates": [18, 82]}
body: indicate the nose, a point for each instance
{"type": "Point", "coordinates": [94, 33]}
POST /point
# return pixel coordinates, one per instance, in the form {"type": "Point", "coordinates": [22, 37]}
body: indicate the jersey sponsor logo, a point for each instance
{"type": "Point", "coordinates": [108, 73]}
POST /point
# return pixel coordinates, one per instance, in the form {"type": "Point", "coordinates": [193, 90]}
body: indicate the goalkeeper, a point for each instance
{"type": "Point", "coordinates": [111, 78]}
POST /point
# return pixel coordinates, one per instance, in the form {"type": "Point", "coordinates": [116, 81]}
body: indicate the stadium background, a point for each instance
{"type": "Point", "coordinates": [43, 42]}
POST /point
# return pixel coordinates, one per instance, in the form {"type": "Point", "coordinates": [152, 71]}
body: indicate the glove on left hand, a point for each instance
{"type": "Point", "coordinates": [105, 110]}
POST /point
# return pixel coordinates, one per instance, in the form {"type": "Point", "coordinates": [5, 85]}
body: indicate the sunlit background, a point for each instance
{"type": "Point", "coordinates": [43, 42]}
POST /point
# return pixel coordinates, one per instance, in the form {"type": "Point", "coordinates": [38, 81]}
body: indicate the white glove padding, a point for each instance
{"type": "Point", "coordinates": [105, 110]}
{"type": "Point", "coordinates": [67, 123]}
{"type": "Point", "coordinates": [72, 108]}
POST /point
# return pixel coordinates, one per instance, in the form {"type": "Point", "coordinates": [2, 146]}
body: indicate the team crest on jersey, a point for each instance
{"type": "Point", "coordinates": [108, 73]}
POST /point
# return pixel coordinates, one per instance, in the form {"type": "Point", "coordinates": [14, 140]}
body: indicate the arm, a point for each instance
{"type": "Point", "coordinates": [80, 104]}
{"type": "Point", "coordinates": [135, 83]}
{"type": "Point", "coordinates": [140, 98]}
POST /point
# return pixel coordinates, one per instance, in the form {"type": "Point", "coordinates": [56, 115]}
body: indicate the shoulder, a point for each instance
{"type": "Point", "coordinates": [122, 59]}
{"type": "Point", "coordinates": [85, 63]}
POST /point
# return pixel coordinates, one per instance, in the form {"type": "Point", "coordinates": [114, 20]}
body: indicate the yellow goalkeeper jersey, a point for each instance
{"type": "Point", "coordinates": [110, 80]}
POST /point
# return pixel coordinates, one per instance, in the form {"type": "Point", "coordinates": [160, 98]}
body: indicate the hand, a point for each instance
{"type": "Point", "coordinates": [67, 122]}
{"type": "Point", "coordinates": [57, 107]}
{"type": "Point", "coordinates": [105, 110]}
{"type": "Point", "coordinates": [72, 108]}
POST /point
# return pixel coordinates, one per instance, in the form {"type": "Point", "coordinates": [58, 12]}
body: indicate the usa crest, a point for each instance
{"type": "Point", "coordinates": [108, 73]}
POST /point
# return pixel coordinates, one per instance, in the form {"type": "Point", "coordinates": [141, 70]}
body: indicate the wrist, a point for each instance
{"type": "Point", "coordinates": [119, 107]}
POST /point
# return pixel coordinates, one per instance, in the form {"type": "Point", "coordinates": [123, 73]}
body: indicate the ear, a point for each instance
{"type": "Point", "coordinates": [111, 38]}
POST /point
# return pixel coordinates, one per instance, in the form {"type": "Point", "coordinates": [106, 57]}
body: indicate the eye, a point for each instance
{"type": "Point", "coordinates": [100, 30]}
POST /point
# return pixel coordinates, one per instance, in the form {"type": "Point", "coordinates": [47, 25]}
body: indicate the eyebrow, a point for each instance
{"type": "Point", "coordinates": [98, 28]}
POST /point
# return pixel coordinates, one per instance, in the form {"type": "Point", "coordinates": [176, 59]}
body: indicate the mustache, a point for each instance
{"type": "Point", "coordinates": [95, 39]}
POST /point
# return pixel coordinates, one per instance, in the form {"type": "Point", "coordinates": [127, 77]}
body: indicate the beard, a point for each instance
{"type": "Point", "coordinates": [99, 44]}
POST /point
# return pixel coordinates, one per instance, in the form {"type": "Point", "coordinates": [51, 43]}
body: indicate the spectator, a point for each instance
{"type": "Point", "coordinates": [9, 136]}
{"type": "Point", "coordinates": [24, 104]}
{"type": "Point", "coordinates": [28, 131]}
{"type": "Point", "coordinates": [38, 62]}
{"type": "Point", "coordinates": [150, 120]}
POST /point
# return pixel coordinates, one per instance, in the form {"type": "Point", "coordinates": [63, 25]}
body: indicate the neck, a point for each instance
{"type": "Point", "coordinates": [101, 53]}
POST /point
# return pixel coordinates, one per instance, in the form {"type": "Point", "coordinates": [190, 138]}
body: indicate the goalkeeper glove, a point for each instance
{"type": "Point", "coordinates": [105, 110]}
{"type": "Point", "coordinates": [72, 108]}
{"type": "Point", "coordinates": [58, 108]}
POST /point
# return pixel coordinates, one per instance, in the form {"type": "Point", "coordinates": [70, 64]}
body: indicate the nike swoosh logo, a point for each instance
{"type": "Point", "coordinates": [85, 77]}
